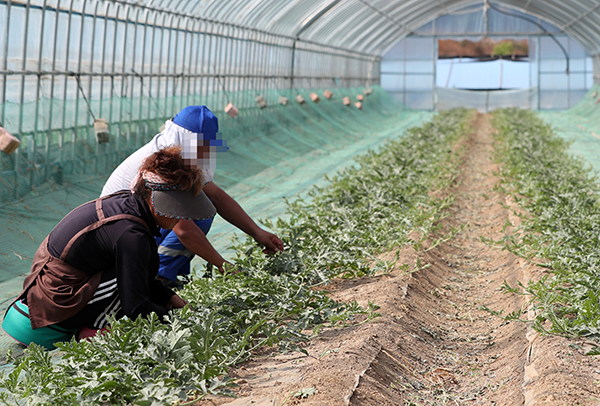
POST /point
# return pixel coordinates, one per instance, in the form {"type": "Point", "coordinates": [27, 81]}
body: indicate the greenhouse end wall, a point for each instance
{"type": "Point", "coordinates": [556, 74]}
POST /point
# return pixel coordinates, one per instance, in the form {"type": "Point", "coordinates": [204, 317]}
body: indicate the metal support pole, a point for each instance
{"type": "Point", "coordinates": [434, 75]}
{"type": "Point", "coordinates": [24, 66]}
{"type": "Point", "coordinates": [55, 47]}
{"type": "Point", "coordinates": [568, 76]}
{"type": "Point", "coordinates": [113, 64]}
{"type": "Point", "coordinates": [196, 49]}
{"type": "Point", "coordinates": [103, 63]}
{"type": "Point", "coordinates": [37, 96]}
{"type": "Point", "coordinates": [143, 63]}
{"type": "Point", "coordinates": [293, 64]}
{"type": "Point", "coordinates": [67, 65]}
{"type": "Point", "coordinates": [124, 80]}
{"type": "Point", "coordinates": [539, 68]}
{"type": "Point", "coordinates": [404, 75]}
{"type": "Point", "coordinates": [151, 63]}
{"type": "Point", "coordinates": [186, 68]}
{"type": "Point", "coordinates": [79, 57]}
{"type": "Point", "coordinates": [5, 62]}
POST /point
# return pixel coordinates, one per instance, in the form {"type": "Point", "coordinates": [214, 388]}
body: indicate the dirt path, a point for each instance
{"type": "Point", "coordinates": [434, 345]}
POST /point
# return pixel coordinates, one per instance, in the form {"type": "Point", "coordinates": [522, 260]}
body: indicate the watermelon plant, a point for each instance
{"type": "Point", "coordinates": [337, 231]}
{"type": "Point", "coordinates": [370, 207]}
{"type": "Point", "coordinates": [561, 228]}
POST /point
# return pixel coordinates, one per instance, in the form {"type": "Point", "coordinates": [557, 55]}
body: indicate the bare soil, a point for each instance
{"type": "Point", "coordinates": [433, 344]}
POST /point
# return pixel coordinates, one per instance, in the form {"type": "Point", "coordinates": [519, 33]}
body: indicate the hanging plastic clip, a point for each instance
{"type": "Point", "coordinates": [231, 110]}
{"type": "Point", "coordinates": [8, 142]}
{"type": "Point", "coordinates": [101, 129]}
{"type": "Point", "coordinates": [261, 102]}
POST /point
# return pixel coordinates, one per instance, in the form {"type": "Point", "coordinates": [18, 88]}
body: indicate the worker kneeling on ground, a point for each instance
{"type": "Point", "coordinates": [196, 130]}
{"type": "Point", "coordinates": [101, 260]}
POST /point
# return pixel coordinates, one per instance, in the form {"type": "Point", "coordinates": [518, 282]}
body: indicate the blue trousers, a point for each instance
{"type": "Point", "coordinates": [174, 257]}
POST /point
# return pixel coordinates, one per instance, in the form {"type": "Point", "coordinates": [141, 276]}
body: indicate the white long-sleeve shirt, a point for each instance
{"type": "Point", "coordinates": [173, 134]}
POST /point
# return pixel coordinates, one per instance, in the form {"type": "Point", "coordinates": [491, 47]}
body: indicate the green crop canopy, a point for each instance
{"type": "Point", "coordinates": [296, 85]}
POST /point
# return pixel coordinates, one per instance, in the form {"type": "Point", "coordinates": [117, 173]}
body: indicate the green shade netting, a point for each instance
{"type": "Point", "coordinates": [581, 126]}
{"type": "Point", "coordinates": [275, 152]}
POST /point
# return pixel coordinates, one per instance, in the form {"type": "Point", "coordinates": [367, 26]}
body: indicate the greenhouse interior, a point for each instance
{"type": "Point", "coordinates": [307, 93]}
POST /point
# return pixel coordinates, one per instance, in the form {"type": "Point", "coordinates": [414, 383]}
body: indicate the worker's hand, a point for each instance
{"type": "Point", "coordinates": [176, 302]}
{"type": "Point", "coordinates": [271, 242]}
{"type": "Point", "coordinates": [228, 267]}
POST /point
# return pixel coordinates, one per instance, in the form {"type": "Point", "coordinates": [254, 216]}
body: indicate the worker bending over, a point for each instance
{"type": "Point", "coordinates": [195, 129]}
{"type": "Point", "coordinates": [101, 260]}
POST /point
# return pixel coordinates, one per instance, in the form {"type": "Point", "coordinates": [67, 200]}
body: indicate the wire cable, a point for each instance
{"type": "Point", "coordinates": [158, 109]}
{"type": "Point", "coordinates": [78, 79]}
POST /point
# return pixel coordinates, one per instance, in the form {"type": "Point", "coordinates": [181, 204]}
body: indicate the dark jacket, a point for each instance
{"type": "Point", "coordinates": [101, 260]}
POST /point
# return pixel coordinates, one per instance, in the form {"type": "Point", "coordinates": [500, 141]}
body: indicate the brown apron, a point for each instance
{"type": "Point", "coordinates": [56, 290]}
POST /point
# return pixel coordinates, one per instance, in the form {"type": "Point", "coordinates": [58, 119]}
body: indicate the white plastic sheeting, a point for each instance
{"type": "Point", "coordinates": [485, 100]}
{"type": "Point", "coordinates": [410, 69]}
{"type": "Point", "coordinates": [373, 26]}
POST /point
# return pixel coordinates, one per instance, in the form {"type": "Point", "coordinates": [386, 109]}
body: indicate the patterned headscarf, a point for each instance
{"type": "Point", "coordinates": [152, 181]}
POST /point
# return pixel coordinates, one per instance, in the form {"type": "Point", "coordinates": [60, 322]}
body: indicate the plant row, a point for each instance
{"type": "Point", "coordinates": [337, 231]}
{"type": "Point", "coordinates": [561, 228]}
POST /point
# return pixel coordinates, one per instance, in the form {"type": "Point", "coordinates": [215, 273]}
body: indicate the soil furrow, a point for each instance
{"type": "Point", "coordinates": [435, 344]}
{"type": "Point", "coordinates": [468, 355]}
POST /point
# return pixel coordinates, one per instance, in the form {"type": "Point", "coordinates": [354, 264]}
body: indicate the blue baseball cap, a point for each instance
{"type": "Point", "coordinates": [199, 120]}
